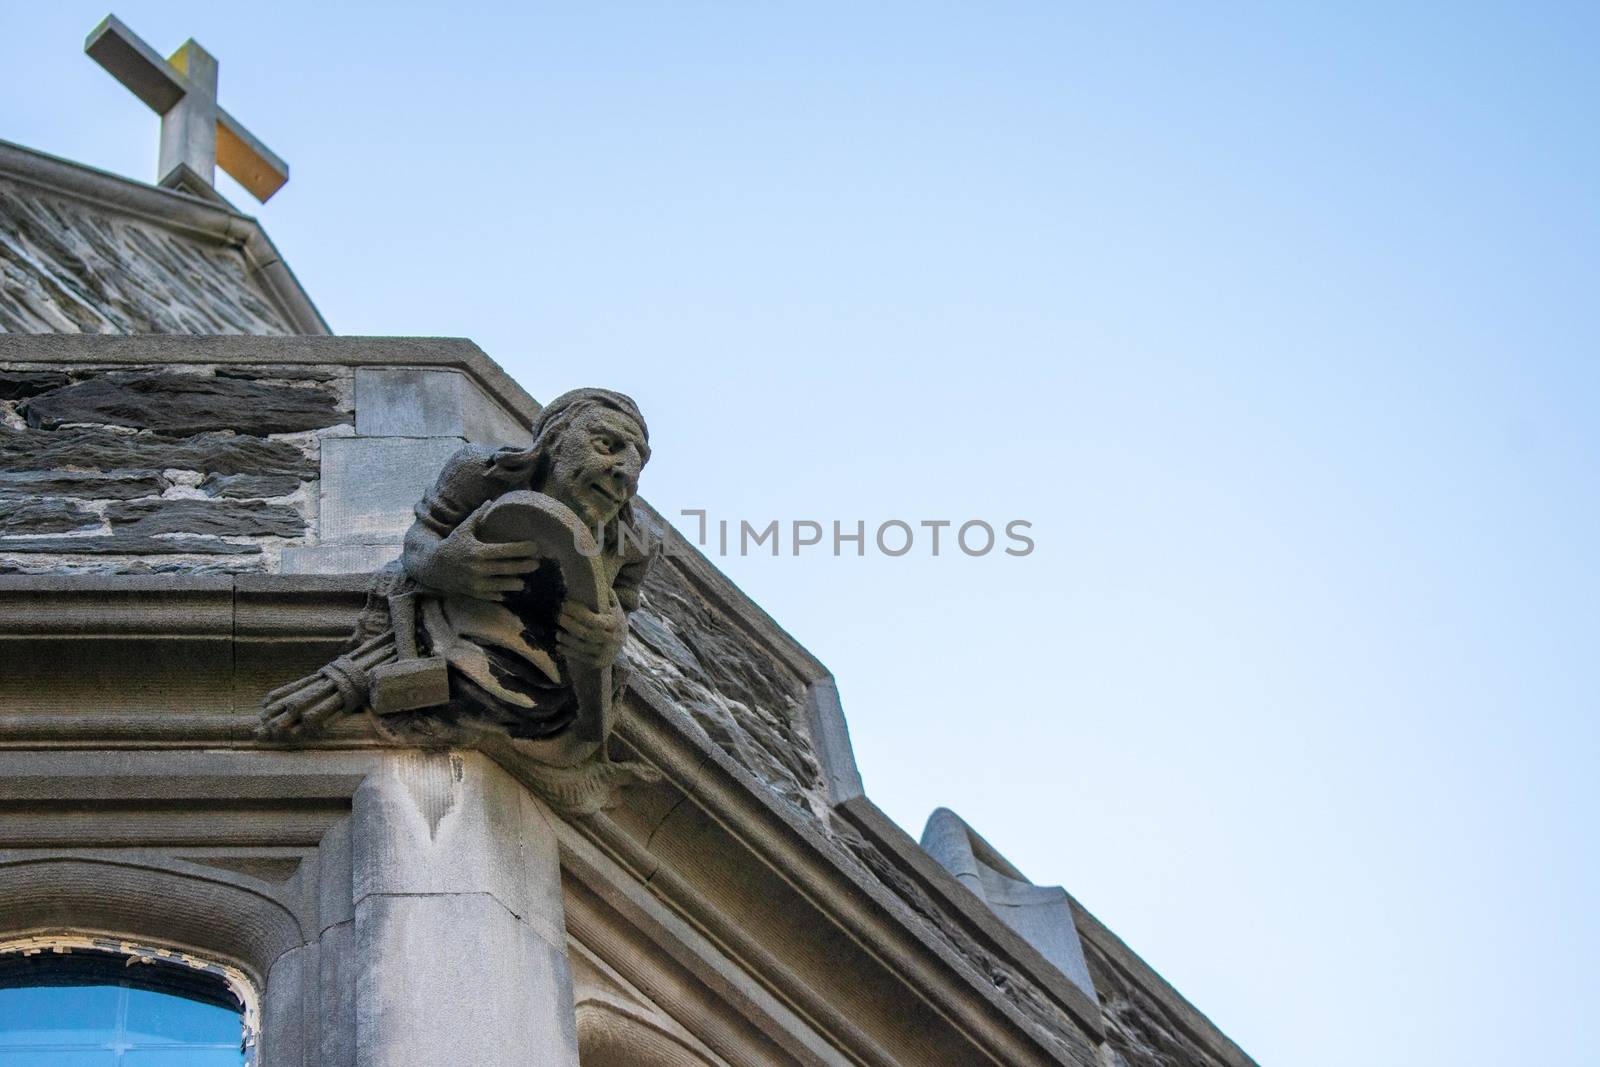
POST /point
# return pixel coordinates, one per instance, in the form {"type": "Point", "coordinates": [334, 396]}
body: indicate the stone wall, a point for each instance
{"type": "Point", "coordinates": [225, 467]}
{"type": "Point", "coordinates": [129, 470]}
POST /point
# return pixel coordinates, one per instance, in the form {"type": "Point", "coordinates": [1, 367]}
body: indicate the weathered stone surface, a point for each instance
{"type": "Point", "coordinates": [416, 402]}
{"type": "Point", "coordinates": [248, 486]}
{"type": "Point", "coordinates": [44, 517]}
{"type": "Point", "coordinates": [545, 502]}
{"type": "Point", "coordinates": [1016, 987]}
{"type": "Point", "coordinates": [117, 565]}
{"type": "Point", "coordinates": [1042, 915]}
{"type": "Point", "coordinates": [371, 484]}
{"type": "Point", "coordinates": [283, 1029]}
{"type": "Point", "coordinates": [829, 735]}
{"type": "Point", "coordinates": [456, 978]}
{"type": "Point", "coordinates": [107, 450]}
{"type": "Point", "coordinates": [1140, 1031]}
{"type": "Point", "coordinates": [410, 684]}
{"type": "Point", "coordinates": [337, 559]}
{"type": "Point", "coordinates": [69, 268]}
{"type": "Point", "coordinates": [658, 635]}
{"type": "Point", "coordinates": [436, 823]}
{"type": "Point", "coordinates": [748, 702]}
{"type": "Point", "coordinates": [94, 485]}
{"type": "Point", "coordinates": [16, 384]}
{"type": "Point", "coordinates": [226, 518]}
{"type": "Point", "coordinates": [185, 404]}
{"type": "Point", "coordinates": [127, 546]}
{"type": "Point", "coordinates": [455, 865]}
{"type": "Point", "coordinates": [299, 372]}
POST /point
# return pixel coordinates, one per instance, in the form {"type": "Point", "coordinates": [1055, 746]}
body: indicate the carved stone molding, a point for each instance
{"type": "Point", "coordinates": [618, 1026]}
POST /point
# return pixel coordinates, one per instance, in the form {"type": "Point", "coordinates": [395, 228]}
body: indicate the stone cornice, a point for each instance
{"type": "Point", "coordinates": [179, 607]}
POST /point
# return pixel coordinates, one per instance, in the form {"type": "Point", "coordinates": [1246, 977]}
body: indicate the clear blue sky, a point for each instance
{"type": "Point", "coordinates": [1279, 323]}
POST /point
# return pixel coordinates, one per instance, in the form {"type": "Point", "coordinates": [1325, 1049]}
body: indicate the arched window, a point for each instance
{"type": "Point", "coordinates": [102, 1009]}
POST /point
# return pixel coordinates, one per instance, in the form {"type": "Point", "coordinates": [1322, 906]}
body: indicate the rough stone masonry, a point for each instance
{"type": "Point", "coordinates": [116, 471]}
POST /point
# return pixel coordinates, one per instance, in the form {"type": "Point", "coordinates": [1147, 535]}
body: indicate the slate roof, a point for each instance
{"type": "Point", "coordinates": [84, 251]}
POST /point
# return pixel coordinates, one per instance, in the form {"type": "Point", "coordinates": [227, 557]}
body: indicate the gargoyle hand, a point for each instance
{"type": "Point", "coordinates": [461, 563]}
{"type": "Point", "coordinates": [591, 638]}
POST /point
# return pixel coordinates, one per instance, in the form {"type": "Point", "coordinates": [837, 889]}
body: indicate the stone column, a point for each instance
{"type": "Point", "coordinates": [461, 937]}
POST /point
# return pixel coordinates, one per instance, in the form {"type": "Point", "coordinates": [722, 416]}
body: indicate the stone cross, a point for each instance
{"type": "Point", "coordinates": [196, 134]}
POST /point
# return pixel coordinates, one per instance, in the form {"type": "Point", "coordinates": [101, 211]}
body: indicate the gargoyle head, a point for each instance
{"type": "Point", "coordinates": [589, 446]}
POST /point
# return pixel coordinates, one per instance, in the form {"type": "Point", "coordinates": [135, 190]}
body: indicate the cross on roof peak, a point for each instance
{"type": "Point", "coordinates": [196, 134]}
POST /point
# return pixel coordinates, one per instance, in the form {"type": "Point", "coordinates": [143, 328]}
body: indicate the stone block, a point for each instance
{"type": "Point", "coordinates": [453, 823]}
{"type": "Point", "coordinates": [371, 484]}
{"type": "Point", "coordinates": [93, 448]}
{"type": "Point", "coordinates": [830, 738]}
{"type": "Point", "coordinates": [336, 989]}
{"type": "Point", "coordinates": [458, 979]}
{"type": "Point", "coordinates": [45, 517]}
{"type": "Point", "coordinates": [1042, 914]}
{"type": "Point", "coordinates": [337, 559]}
{"type": "Point", "coordinates": [127, 545]}
{"type": "Point", "coordinates": [54, 676]}
{"type": "Point", "coordinates": [414, 402]}
{"type": "Point", "coordinates": [459, 918]}
{"type": "Point", "coordinates": [89, 485]}
{"type": "Point", "coordinates": [335, 904]}
{"type": "Point", "coordinates": [282, 1038]}
{"type": "Point", "coordinates": [16, 384]}
{"type": "Point", "coordinates": [223, 518]}
{"type": "Point", "coordinates": [249, 486]}
{"type": "Point", "coordinates": [185, 404]}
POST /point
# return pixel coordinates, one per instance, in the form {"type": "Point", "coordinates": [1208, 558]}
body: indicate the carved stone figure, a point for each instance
{"type": "Point", "coordinates": [505, 614]}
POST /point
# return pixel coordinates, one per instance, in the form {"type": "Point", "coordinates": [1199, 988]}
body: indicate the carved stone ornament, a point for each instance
{"type": "Point", "coordinates": [508, 608]}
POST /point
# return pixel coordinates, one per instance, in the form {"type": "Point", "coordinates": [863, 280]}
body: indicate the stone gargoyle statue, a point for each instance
{"type": "Point", "coordinates": [505, 615]}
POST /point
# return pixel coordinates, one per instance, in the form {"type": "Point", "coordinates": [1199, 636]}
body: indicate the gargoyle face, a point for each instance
{"type": "Point", "coordinates": [595, 464]}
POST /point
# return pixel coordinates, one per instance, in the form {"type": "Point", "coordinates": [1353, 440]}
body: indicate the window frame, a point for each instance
{"type": "Point", "coordinates": [67, 960]}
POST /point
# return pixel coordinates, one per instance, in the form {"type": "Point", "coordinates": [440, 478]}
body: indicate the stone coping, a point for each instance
{"type": "Point", "coordinates": [999, 938]}
{"type": "Point", "coordinates": [204, 218]}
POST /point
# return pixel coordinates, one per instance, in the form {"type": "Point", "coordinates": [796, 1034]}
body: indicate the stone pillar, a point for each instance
{"type": "Point", "coordinates": [461, 937]}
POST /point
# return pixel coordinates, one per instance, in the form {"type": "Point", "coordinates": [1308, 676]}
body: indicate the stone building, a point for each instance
{"type": "Point", "coordinates": [197, 482]}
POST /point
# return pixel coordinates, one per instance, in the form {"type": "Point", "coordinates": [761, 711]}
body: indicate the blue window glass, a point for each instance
{"type": "Point", "coordinates": [92, 1009]}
